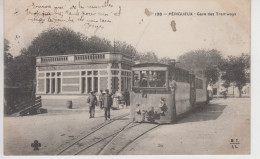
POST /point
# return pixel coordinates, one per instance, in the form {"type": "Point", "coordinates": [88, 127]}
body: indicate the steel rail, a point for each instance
{"type": "Point", "coordinates": [116, 134]}
{"type": "Point", "coordinates": [103, 139]}
{"type": "Point", "coordinates": [123, 148]}
{"type": "Point", "coordinates": [98, 128]}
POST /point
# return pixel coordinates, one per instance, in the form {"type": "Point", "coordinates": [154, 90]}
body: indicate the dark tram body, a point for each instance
{"type": "Point", "coordinates": [163, 93]}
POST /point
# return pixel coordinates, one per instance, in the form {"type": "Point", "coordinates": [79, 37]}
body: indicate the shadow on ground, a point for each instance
{"type": "Point", "coordinates": [210, 112]}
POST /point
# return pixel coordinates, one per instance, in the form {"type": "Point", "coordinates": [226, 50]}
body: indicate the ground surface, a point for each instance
{"type": "Point", "coordinates": [52, 130]}
{"type": "Point", "coordinates": [206, 131]}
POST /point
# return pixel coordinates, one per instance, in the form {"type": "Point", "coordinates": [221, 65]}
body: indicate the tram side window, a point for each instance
{"type": "Point", "coordinates": [144, 78]}
{"type": "Point", "coordinates": [136, 79]}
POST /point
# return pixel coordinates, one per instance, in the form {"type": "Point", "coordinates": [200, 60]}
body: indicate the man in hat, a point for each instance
{"type": "Point", "coordinates": [107, 104]}
{"type": "Point", "coordinates": [92, 100]}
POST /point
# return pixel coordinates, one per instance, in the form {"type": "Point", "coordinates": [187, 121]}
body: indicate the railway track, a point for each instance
{"type": "Point", "coordinates": [126, 138]}
{"type": "Point", "coordinates": [92, 132]}
{"type": "Point", "coordinates": [109, 138]}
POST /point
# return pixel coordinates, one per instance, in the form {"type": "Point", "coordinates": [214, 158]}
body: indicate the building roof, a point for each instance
{"type": "Point", "coordinates": [149, 64]}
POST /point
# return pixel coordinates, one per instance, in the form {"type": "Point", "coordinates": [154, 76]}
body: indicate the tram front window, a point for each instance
{"type": "Point", "coordinates": [150, 79]}
{"type": "Point", "coordinates": [157, 79]}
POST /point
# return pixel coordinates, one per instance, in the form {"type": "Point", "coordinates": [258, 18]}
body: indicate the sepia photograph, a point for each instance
{"type": "Point", "coordinates": [126, 77]}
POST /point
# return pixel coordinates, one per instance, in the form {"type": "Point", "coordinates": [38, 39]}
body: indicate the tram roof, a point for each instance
{"type": "Point", "coordinates": [151, 64]}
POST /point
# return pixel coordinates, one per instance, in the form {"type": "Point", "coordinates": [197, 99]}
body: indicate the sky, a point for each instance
{"type": "Point", "coordinates": [228, 34]}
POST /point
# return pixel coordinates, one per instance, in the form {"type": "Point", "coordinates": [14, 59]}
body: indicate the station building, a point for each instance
{"type": "Point", "coordinates": [74, 76]}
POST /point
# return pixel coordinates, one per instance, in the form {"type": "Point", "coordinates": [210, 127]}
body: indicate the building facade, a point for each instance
{"type": "Point", "coordinates": [218, 89]}
{"type": "Point", "coordinates": [77, 74]}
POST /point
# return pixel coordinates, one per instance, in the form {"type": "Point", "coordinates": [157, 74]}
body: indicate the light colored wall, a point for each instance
{"type": "Point", "coordinates": [182, 97]}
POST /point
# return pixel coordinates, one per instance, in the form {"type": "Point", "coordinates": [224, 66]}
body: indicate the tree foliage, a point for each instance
{"type": "Point", "coordinates": [96, 44]}
{"type": "Point", "coordinates": [165, 60]}
{"type": "Point", "coordinates": [146, 57]}
{"type": "Point", "coordinates": [56, 42]}
{"type": "Point", "coordinates": [203, 62]}
{"type": "Point", "coordinates": [8, 64]}
{"type": "Point", "coordinates": [236, 70]}
{"type": "Point", "coordinates": [125, 48]}
{"type": "Point", "coordinates": [8, 58]}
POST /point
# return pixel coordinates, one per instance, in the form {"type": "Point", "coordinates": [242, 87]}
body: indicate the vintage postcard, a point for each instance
{"type": "Point", "coordinates": [127, 77]}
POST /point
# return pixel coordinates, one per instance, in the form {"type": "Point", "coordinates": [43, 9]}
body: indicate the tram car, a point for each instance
{"type": "Point", "coordinates": [163, 93]}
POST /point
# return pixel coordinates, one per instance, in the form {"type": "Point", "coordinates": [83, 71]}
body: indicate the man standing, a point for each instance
{"type": "Point", "coordinates": [101, 99]}
{"type": "Point", "coordinates": [92, 100]}
{"type": "Point", "coordinates": [107, 104]}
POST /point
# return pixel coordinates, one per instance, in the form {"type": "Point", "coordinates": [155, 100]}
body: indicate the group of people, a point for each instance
{"type": "Point", "coordinates": [105, 102]}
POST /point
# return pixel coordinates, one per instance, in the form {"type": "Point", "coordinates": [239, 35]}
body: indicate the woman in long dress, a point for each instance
{"type": "Point", "coordinates": [116, 100]}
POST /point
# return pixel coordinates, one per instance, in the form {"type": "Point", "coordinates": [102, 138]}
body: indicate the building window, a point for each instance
{"type": "Point", "coordinates": [83, 73]}
{"type": "Point", "coordinates": [95, 84]}
{"type": "Point", "coordinates": [47, 85]}
{"type": "Point", "coordinates": [83, 85]}
{"type": "Point", "coordinates": [89, 83]}
{"type": "Point", "coordinates": [115, 72]}
{"type": "Point", "coordinates": [58, 85]}
{"type": "Point", "coordinates": [53, 85]}
{"type": "Point", "coordinates": [115, 65]}
{"type": "Point", "coordinates": [58, 73]}
{"type": "Point", "coordinates": [53, 74]}
{"type": "Point", "coordinates": [95, 72]}
{"type": "Point", "coordinates": [89, 72]}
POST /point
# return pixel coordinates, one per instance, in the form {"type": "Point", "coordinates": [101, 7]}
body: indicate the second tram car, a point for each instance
{"type": "Point", "coordinates": [163, 93]}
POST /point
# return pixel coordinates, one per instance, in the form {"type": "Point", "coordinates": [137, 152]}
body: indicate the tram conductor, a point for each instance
{"type": "Point", "coordinates": [107, 104]}
{"type": "Point", "coordinates": [92, 101]}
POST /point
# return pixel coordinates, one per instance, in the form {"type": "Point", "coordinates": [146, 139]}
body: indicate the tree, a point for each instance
{"type": "Point", "coordinates": [123, 47]}
{"type": "Point", "coordinates": [59, 41]}
{"type": "Point", "coordinates": [96, 44]}
{"type": "Point", "coordinates": [203, 62]}
{"type": "Point", "coordinates": [8, 58]}
{"type": "Point", "coordinates": [146, 57]}
{"type": "Point", "coordinates": [8, 65]}
{"type": "Point", "coordinates": [236, 70]}
{"type": "Point", "coordinates": [212, 74]}
{"type": "Point", "coordinates": [164, 60]}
